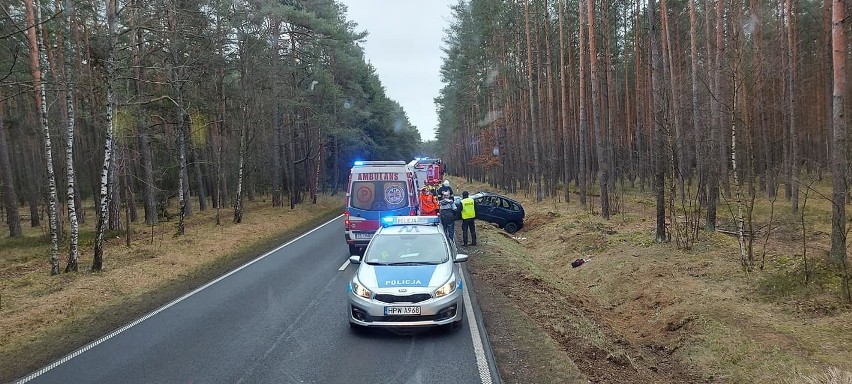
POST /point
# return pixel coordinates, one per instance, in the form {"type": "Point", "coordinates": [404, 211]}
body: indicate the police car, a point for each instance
{"type": "Point", "coordinates": [409, 276]}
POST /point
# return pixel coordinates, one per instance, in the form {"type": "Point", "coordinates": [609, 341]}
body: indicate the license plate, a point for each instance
{"type": "Point", "coordinates": [405, 311]}
{"type": "Point", "coordinates": [362, 235]}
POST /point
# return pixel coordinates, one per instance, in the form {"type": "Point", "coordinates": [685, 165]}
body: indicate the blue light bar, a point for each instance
{"type": "Point", "coordinates": [358, 163]}
{"type": "Point", "coordinates": [410, 220]}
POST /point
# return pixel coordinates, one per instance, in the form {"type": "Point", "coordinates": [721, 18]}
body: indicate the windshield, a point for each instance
{"type": "Point", "coordinates": [407, 249]}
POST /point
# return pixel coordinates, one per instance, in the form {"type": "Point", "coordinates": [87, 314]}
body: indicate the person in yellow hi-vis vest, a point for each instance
{"type": "Point", "coordinates": [468, 215]}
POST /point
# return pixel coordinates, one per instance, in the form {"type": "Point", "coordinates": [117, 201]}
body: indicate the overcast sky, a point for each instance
{"type": "Point", "coordinates": [404, 44]}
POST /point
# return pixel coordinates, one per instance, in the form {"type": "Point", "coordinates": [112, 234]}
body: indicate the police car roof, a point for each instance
{"type": "Point", "coordinates": [412, 229]}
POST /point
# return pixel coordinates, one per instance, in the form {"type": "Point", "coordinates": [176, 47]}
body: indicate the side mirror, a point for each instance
{"type": "Point", "coordinates": [460, 258]}
{"type": "Point", "coordinates": [355, 259]}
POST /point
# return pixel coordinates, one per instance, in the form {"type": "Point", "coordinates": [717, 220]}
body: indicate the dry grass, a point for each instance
{"type": "Point", "coordinates": [37, 307]}
{"type": "Point", "coordinates": [698, 307]}
{"type": "Point", "coordinates": [830, 376]}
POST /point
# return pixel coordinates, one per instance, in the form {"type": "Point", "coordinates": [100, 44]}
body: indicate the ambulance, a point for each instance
{"type": "Point", "coordinates": [377, 189]}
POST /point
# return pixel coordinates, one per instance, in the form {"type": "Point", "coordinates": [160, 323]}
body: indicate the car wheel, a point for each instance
{"type": "Point", "coordinates": [511, 227]}
{"type": "Point", "coordinates": [456, 325]}
{"type": "Point", "coordinates": [357, 329]}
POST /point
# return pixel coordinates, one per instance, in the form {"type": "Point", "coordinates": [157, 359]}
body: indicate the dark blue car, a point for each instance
{"type": "Point", "coordinates": [500, 210]}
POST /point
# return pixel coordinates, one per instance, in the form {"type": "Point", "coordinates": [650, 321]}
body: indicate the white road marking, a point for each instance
{"type": "Point", "coordinates": [478, 349]}
{"type": "Point", "coordinates": [345, 264]}
{"type": "Point", "coordinates": [163, 308]}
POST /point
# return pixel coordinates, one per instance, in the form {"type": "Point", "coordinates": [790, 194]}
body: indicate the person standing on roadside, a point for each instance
{"type": "Point", "coordinates": [447, 212]}
{"type": "Point", "coordinates": [468, 215]}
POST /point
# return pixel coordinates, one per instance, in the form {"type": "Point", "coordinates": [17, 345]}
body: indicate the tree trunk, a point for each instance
{"type": "Point", "coordinates": [114, 206]}
{"type": "Point", "coordinates": [73, 252]}
{"type": "Point", "coordinates": [678, 158]}
{"type": "Point", "coordinates": [737, 44]}
{"type": "Point", "coordinates": [713, 173]}
{"type": "Point", "coordinates": [793, 176]}
{"type": "Point", "coordinates": [144, 144]}
{"type": "Point", "coordinates": [97, 264]}
{"type": "Point", "coordinates": [216, 145]}
{"type": "Point", "coordinates": [199, 177]}
{"type": "Point", "coordinates": [640, 100]}
{"type": "Point", "coordinates": [33, 191]}
{"type": "Point", "coordinates": [129, 197]}
{"type": "Point", "coordinates": [290, 152]}
{"type": "Point", "coordinates": [238, 203]}
{"type": "Point", "coordinates": [37, 65]}
{"type": "Point", "coordinates": [609, 72]}
{"type": "Point", "coordinates": [533, 121]}
{"type": "Point", "coordinates": [553, 175]}
{"type": "Point", "coordinates": [600, 139]}
{"type": "Point", "coordinates": [277, 145]}
{"type": "Point", "coordinates": [566, 119]}
{"type": "Point", "coordinates": [697, 110]}
{"type": "Point", "coordinates": [183, 176]}
{"type": "Point", "coordinates": [583, 172]}
{"type": "Point", "coordinates": [659, 111]}
{"type": "Point", "coordinates": [146, 160]}
{"type": "Point", "coordinates": [838, 153]}
{"type": "Point", "coordinates": [10, 196]}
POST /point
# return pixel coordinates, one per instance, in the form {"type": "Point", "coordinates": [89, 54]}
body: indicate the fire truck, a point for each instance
{"type": "Point", "coordinates": [429, 171]}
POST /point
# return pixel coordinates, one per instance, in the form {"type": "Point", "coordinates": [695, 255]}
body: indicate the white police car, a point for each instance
{"type": "Point", "coordinates": [408, 277]}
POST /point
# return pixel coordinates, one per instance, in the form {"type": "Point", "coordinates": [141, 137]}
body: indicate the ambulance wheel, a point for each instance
{"type": "Point", "coordinates": [354, 250]}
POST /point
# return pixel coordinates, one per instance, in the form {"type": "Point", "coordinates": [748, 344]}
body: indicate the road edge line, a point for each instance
{"type": "Point", "coordinates": [481, 346]}
{"type": "Point", "coordinates": [116, 332]}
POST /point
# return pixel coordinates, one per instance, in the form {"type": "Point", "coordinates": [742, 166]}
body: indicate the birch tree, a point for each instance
{"type": "Point", "coordinates": [98, 260]}
{"type": "Point", "coordinates": [68, 54]}
{"type": "Point", "coordinates": [38, 65]}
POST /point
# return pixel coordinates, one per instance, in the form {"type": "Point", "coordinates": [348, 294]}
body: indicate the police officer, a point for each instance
{"type": "Point", "coordinates": [468, 215]}
{"type": "Point", "coordinates": [447, 211]}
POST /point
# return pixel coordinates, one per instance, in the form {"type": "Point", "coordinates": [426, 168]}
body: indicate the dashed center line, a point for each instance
{"type": "Point", "coordinates": [345, 264]}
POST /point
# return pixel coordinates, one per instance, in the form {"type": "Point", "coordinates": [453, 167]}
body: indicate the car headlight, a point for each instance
{"type": "Point", "coordinates": [447, 288]}
{"type": "Point", "coordinates": [359, 289]}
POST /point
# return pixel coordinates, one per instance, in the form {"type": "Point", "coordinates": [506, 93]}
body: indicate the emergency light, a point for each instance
{"type": "Point", "coordinates": [358, 163]}
{"type": "Point", "coordinates": [410, 220]}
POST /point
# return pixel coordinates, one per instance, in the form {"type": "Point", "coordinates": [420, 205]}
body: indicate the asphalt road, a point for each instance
{"type": "Point", "coordinates": [279, 319]}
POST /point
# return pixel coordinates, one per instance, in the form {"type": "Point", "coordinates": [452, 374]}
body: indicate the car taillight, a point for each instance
{"type": "Point", "coordinates": [346, 222]}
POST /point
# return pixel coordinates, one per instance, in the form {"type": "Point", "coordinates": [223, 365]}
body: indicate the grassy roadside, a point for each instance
{"type": "Point", "coordinates": [645, 312]}
{"type": "Point", "coordinates": [517, 342]}
{"type": "Point", "coordinates": [44, 317]}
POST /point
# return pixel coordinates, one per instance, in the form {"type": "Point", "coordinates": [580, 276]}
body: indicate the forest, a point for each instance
{"type": "Point", "coordinates": [164, 107]}
{"type": "Point", "coordinates": [709, 105]}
